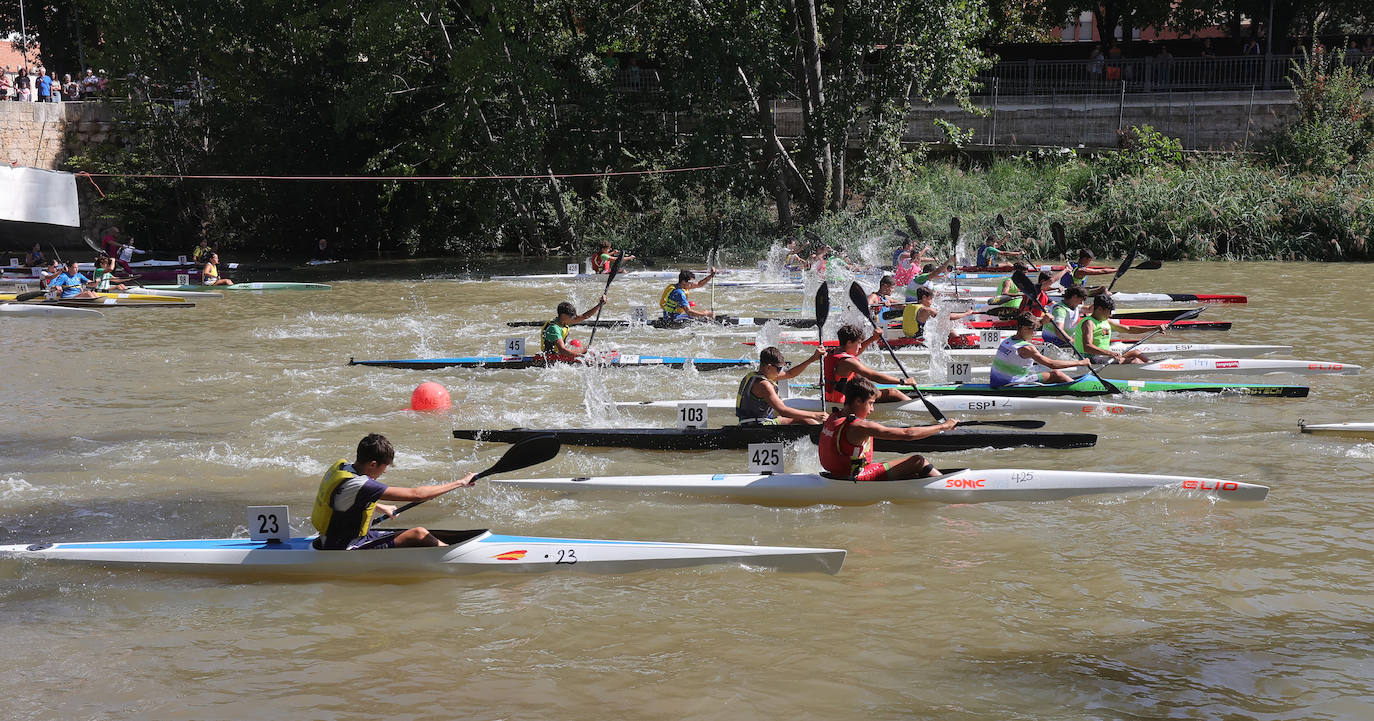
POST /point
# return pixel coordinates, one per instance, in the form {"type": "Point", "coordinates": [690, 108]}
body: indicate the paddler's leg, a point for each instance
{"type": "Point", "coordinates": [909, 467]}
{"type": "Point", "coordinates": [891, 395]}
{"type": "Point", "coordinates": [417, 536]}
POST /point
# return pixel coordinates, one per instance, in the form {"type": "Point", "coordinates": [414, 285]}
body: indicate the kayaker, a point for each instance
{"type": "Point", "coordinates": [846, 442]}
{"type": "Point", "coordinates": [48, 273]}
{"type": "Point", "coordinates": [908, 263]}
{"type": "Point", "coordinates": [674, 301]}
{"type": "Point", "coordinates": [916, 315]}
{"type": "Point", "coordinates": [1065, 315]}
{"type": "Point", "coordinates": [605, 257]}
{"type": "Point", "coordinates": [34, 258]}
{"type": "Point", "coordinates": [1017, 361]}
{"type": "Point", "coordinates": [1045, 282]}
{"type": "Point", "coordinates": [201, 252]}
{"type": "Point", "coordinates": [904, 249]}
{"type": "Point", "coordinates": [880, 301]}
{"type": "Point", "coordinates": [841, 365]}
{"type": "Point", "coordinates": [1077, 273]}
{"type": "Point", "coordinates": [1094, 335]}
{"type": "Point", "coordinates": [792, 260]}
{"type": "Point", "coordinates": [1008, 294]}
{"type": "Point", "coordinates": [990, 254]}
{"type": "Point", "coordinates": [553, 339]}
{"type": "Point", "coordinates": [71, 284]}
{"type": "Point", "coordinates": [349, 493]}
{"type": "Point", "coordinates": [209, 273]}
{"type": "Point", "coordinates": [104, 275]}
{"type": "Point", "coordinates": [927, 277]}
{"type": "Point", "coordinates": [757, 400]}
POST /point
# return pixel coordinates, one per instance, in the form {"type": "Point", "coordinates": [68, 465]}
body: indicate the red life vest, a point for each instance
{"type": "Point", "coordinates": [832, 383]}
{"type": "Point", "coordinates": [839, 456]}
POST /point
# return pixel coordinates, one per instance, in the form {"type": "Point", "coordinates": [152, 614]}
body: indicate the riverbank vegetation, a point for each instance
{"type": "Point", "coordinates": [430, 105]}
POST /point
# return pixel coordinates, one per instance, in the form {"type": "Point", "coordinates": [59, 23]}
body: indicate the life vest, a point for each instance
{"type": "Point", "coordinates": [1101, 334]}
{"type": "Point", "coordinates": [102, 279]}
{"type": "Point", "coordinates": [210, 273]}
{"type": "Point", "coordinates": [545, 344]}
{"type": "Point", "coordinates": [911, 327]}
{"type": "Point", "coordinates": [1068, 281]}
{"type": "Point", "coordinates": [1067, 318]}
{"type": "Point", "coordinates": [749, 406]}
{"type": "Point", "coordinates": [331, 523]}
{"type": "Point", "coordinates": [671, 308]}
{"type": "Point", "coordinates": [1008, 365]}
{"type": "Point", "coordinates": [839, 456]}
{"type": "Point", "coordinates": [983, 255]}
{"type": "Point", "coordinates": [834, 387]}
{"type": "Point", "coordinates": [1036, 309]}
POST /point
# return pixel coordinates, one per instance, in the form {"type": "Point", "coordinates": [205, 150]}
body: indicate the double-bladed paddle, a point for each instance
{"type": "Point", "coordinates": [526, 453]}
{"type": "Point", "coordinates": [615, 268]}
{"type": "Point", "coordinates": [954, 249]}
{"type": "Point", "coordinates": [915, 229]}
{"type": "Point", "coordinates": [1185, 315]}
{"type": "Point", "coordinates": [859, 298]}
{"type": "Point", "coordinates": [1125, 266]}
{"type": "Point", "coordinates": [1061, 244]}
{"type": "Point", "coordinates": [822, 312]}
{"type": "Point", "coordinates": [1032, 292]}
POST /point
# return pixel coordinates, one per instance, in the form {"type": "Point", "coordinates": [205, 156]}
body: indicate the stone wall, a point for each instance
{"type": "Point", "coordinates": [42, 135]}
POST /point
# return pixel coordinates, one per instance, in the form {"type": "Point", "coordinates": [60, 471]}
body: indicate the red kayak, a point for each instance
{"type": "Point", "coordinates": [1128, 322]}
{"type": "Point", "coordinates": [955, 341]}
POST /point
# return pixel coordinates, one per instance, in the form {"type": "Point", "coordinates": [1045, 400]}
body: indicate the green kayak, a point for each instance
{"type": "Point", "coordinates": [1093, 387]}
{"type": "Point", "coordinates": [245, 286]}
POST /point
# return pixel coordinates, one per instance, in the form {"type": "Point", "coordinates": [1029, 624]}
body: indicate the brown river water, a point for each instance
{"type": "Point", "coordinates": [167, 423]}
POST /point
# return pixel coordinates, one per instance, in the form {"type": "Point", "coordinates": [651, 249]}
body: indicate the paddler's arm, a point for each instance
{"type": "Point", "coordinates": [796, 370]}
{"type": "Point", "coordinates": [693, 285]}
{"type": "Point", "coordinates": [590, 311]}
{"type": "Point", "coordinates": [861, 429]}
{"type": "Point", "coordinates": [1118, 327]}
{"type": "Point", "coordinates": [877, 376]}
{"type": "Point", "coordinates": [769, 395]}
{"type": "Point", "coordinates": [1088, 347]}
{"type": "Point", "coordinates": [1030, 352]}
{"type": "Point", "coordinates": [421, 493]}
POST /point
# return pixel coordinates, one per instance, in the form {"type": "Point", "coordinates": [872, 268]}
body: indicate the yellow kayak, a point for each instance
{"type": "Point", "coordinates": [124, 298]}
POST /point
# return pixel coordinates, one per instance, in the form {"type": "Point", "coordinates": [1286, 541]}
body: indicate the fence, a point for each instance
{"type": "Point", "coordinates": [1139, 75]}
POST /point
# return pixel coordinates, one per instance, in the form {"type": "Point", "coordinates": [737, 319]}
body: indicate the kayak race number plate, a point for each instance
{"type": "Point", "coordinates": [183, 279]}
{"type": "Point", "coordinates": [269, 523]}
{"type": "Point", "coordinates": [639, 315]}
{"type": "Point", "coordinates": [515, 346]}
{"type": "Point", "coordinates": [572, 269]}
{"type": "Point", "coordinates": [765, 458]}
{"type": "Point", "coordinates": [959, 372]}
{"type": "Point", "coordinates": [691, 415]}
{"type": "Point", "coordinates": [989, 338]}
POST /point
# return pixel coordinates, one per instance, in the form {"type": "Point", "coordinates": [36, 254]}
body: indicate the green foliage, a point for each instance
{"type": "Point", "coordinates": [1335, 125]}
{"type": "Point", "coordinates": [954, 136]}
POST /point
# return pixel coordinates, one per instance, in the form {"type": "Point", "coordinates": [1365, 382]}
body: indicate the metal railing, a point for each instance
{"type": "Point", "coordinates": [1138, 75]}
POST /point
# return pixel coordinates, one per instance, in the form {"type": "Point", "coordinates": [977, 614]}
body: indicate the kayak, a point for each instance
{"type": "Point", "coordinates": [1128, 322]}
{"type": "Point", "coordinates": [1223, 366]}
{"type": "Point", "coordinates": [1172, 350]}
{"type": "Point", "coordinates": [739, 438]}
{"type": "Point", "coordinates": [113, 303]}
{"type": "Point", "coordinates": [245, 287]}
{"type": "Point", "coordinates": [540, 361]}
{"type": "Point", "coordinates": [662, 323]}
{"type": "Point", "coordinates": [129, 298]}
{"type": "Point", "coordinates": [1088, 386]}
{"type": "Point", "coordinates": [474, 551]}
{"type": "Point", "coordinates": [188, 294]}
{"type": "Point", "coordinates": [959, 486]}
{"type": "Point", "coordinates": [1150, 313]}
{"type": "Point", "coordinates": [1137, 297]}
{"type": "Point", "coordinates": [31, 310]}
{"type": "Point", "coordinates": [631, 274]}
{"type": "Point", "coordinates": [949, 404]}
{"type": "Point", "coordinates": [1348, 430]}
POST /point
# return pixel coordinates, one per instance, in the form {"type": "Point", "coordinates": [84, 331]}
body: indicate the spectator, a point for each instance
{"type": "Point", "coordinates": [44, 85]}
{"type": "Point", "coordinates": [1207, 51]}
{"type": "Point", "coordinates": [1114, 56]}
{"type": "Point", "coordinates": [89, 84]}
{"type": "Point", "coordinates": [1251, 47]}
{"type": "Point", "coordinates": [1352, 54]}
{"type": "Point", "coordinates": [23, 85]}
{"type": "Point", "coordinates": [1095, 63]}
{"type": "Point", "coordinates": [1164, 65]}
{"type": "Point", "coordinates": [70, 90]}
{"type": "Point", "coordinates": [4, 83]}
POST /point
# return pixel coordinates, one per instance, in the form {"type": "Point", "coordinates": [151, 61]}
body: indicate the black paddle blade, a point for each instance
{"type": "Point", "coordinates": [1150, 265]}
{"type": "Point", "coordinates": [1186, 315]}
{"type": "Point", "coordinates": [954, 229]}
{"type": "Point", "coordinates": [859, 298]}
{"type": "Point", "coordinates": [1025, 285]}
{"type": "Point", "coordinates": [1061, 243]}
{"type": "Point", "coordinates": [911, 223]}
{"type": "Point", "coordinates": [615, 268]}
{"type": "Point", "coordinates": [524, 454]}
{"type": "Point", "coordinates": [898, 232]}
{"type": "Point", "coordinates": [1001, 222]}
{"type": "Point", "coordinates": [1005, 312]}
{"type": "Point", "coordinates": [27, 296]}
{"type": "Point", "coordinates": [822, 304]}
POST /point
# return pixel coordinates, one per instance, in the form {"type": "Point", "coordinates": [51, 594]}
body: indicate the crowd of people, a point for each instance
{"type": "Point", "coordinates": [40, 85]}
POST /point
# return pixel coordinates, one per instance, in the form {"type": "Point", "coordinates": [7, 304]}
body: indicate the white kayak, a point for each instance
{"type": "Point", "coordinates": [630, 274]}
{"type": "Point", "coordinates": [1222, 366]}
{"type": "Point", "coordinates": [1349, 430]}
{"type": "Point", "coordinates": [949, 404]}
{"type": "Point", "coordinates": [473, 551]}
{"type": "Point", "coordinates": [961, 486]}
{"type": "Point", "coordinates": [1172, 350]}
{"type": "Point", "coordinates": [29, 310]}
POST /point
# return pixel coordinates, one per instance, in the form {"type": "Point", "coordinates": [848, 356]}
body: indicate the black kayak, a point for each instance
{"type": "Point", "coordinates": [662, 323]}
{"type": "Point", "coordinates": [739, 438]}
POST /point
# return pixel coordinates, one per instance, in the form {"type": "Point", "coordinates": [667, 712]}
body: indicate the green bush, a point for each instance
{"type": "Point", "coordinates": [1335, 126]}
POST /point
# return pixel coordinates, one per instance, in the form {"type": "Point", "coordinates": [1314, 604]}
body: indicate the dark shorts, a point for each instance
{"type": "Point", "coordinates": [373, 539]}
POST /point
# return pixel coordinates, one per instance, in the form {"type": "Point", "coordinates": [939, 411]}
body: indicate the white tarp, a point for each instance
{"type": "Point", "coordinates": [38, 196]}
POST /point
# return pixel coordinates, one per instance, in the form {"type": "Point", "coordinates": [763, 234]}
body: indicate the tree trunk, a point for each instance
{"type": "Point", "coordinates": [817, 135]}
{"type": "Point", "coordinates": [776, 164]}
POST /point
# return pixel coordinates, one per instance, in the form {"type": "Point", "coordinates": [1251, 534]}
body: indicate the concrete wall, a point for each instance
{"type": "Point", "coordinates": [42, 135]}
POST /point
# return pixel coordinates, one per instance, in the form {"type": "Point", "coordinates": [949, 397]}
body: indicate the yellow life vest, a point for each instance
{"type": "Point", "coordinates": [211, 271]}
{"type": "Point", "coordinates": [323, 514]}
{"type": "Point", "coordinates": [669, 306]}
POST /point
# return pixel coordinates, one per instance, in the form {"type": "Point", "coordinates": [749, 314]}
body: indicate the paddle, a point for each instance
{"type": "Point", "coordinates": [859, 298]}
{"type": "Point", "coordinates": [822, 312]}
{"type": "Point", "coordinates": [615, 268]}
{"type": "Point", "coordinates": [1125, 266]}
{"type": "Point", "coordinates": [30, 295]}
{"type": "Point", "coordinates": [915, 229]}
{"type": "Point", "coordinates": [526, 453]}
{"type": "Point", "coordinates": [1185, 315]}
{"type": "Point", "coordinates": [1005, 312]}
{"type": "Point", "coordinates": [1033, 293]}
{"type": "Point", "coordinates": [1149, 265]}
{"type": "Point", "coordinates": [1060, 242]}
{"type": "Point", "coordinates": [954, 248]}
{"type": "Point", "coordinates": [711, 261]}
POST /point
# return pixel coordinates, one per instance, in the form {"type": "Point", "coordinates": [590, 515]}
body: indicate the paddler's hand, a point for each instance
{"type": "Point", "coordinates": [877, 335]}
{"type": "Point", "coordinates": [603, 301]}
{"type": "Point", "coordinates": [816, 355]}
{"type": "Point", "coordinates": [948, 425]}
{"type": "Point", "coordinates": [1083, 363]}
{"type": "Point", "coordinates": [387, 511]}
{"type": "Point", "coordinates": [909, 381]}
{"type": "Point", "coordinates": [469, 479]}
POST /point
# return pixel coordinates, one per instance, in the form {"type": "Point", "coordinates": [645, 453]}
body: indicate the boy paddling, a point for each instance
{"type": "Point", "coordinates": [553, 339]}
{"type": "Point", "coordinates": [846, 441]}
{"type": "Point", "coordinates": [350, 492]}
{"type": "Point", "coordinates": [758, 401]}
